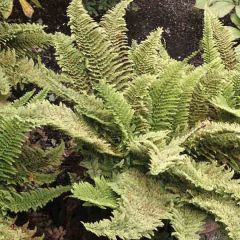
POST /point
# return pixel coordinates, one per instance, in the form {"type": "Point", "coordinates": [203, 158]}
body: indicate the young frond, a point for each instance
{"type": "Point", "coordinates": [166, 157]}
{"type": "Point", "coordinates": [100, 195]}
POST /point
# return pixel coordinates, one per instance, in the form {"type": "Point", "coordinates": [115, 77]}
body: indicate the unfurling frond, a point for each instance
{"type": "Point", "coordinates": [143, 206]}
{"type": "Point", "coordinates": [101, 195]}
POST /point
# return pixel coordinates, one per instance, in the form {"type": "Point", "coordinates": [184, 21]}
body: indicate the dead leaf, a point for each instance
{"type": "Point", "coordinates": [27, 8]}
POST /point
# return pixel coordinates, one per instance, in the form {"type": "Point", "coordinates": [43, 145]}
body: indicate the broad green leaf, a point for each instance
{"type": "Point", "coordinates": [201, 4]}
{"type": "Point", "coordinates": [237, 10]}
{"type": "Point", "coordinates": [235, 19]}
{"type": "Point", "coordinates": [235, 32]}
{"type": "Point", "coordinates": [222, 8]}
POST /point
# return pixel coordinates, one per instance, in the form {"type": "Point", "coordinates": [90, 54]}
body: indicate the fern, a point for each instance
{"type": "Point", "coordinates": [187, 222]}
{"type": "Point", "coordinates": [101, 195]}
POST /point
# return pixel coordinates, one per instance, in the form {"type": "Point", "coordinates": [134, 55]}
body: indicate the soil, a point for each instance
{"type": "Point", "coordinates": [182, 23]}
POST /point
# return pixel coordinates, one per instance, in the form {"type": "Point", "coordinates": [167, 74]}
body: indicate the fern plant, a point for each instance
{"type": "Point", "coordinates": [152, 130]}
{"type": "Point", "coordinates": [153, 111]}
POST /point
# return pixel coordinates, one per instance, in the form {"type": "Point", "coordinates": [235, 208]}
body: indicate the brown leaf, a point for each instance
{"type": "Point", "coordinates": [27, 8]}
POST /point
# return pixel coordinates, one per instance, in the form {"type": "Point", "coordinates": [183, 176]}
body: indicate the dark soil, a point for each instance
{"type": "Point", "coordinates": [182, 24]}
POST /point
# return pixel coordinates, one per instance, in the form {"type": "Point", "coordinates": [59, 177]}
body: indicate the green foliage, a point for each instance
{"type": "Point", "coordinates": [139, 120]}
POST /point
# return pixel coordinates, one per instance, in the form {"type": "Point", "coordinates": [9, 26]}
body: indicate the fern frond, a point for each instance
{"type": "Point", "coordinates": [210, 86]}
{"type": "Point", "coordinates": [225, 210]}
{"type": "Point", "coordinates": [61, 117]}
{"type": "Point", "coordinates": [40, 96]}
{"type": "Point", "coordinates": [12, 136]}
{"type": "Point", "coordinates": [138, 97]}
{"type": "Point", "coordinates": [165, 158]}
{"type": "Point", "coordinates": [187, 222]}
{"type": "Point", "coordinates": [33, 199]}
{"type": "Point", "coordinates": [114, 24]}
{"type": "Point", "coordinates": [209, 44]}
{"type": "Point", "coordinates": [72, 62]}
{"type": "Point", "coordinates": [93, 42]}
{"type": "Point", "coordinates": [199, 173]}
{"type": "Point", "coordinates": [100, 195]}
{"type": "Point", "coordinates": [181, 118]}
{"type": "Point", "coordinates": [145, 55]}
{"type": "Point", "coordinates": [165, 94]}
{"type": "Point", "coordinates": [216, 141]}
{"type": "Point", "coordinates": [24, 38]}
{"type": "Point", "coordinates": [224, 43]}
{"type": "Point", "coordinates": [23, 100]}
{"type": "Point", "coordinates": [143, 205]}
{"type": "Point", "coordinates": [118, 106]}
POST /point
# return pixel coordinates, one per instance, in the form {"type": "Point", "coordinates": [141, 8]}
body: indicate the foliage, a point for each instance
{"type": "Point", "coordinates": [139, 119]}
{"type": "Point", "coordinates": [152, 150]}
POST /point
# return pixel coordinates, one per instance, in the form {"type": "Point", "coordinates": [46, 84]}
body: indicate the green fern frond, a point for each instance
{"type": "Point", "coordinates": [165, 94]}
{"type": "Point", "coordinates": [181, 118]}
{"type": "Point", "coordinates": [187, 222]}
{"type": "Point", "coordinates": [199, 173]}
{"type": "Point", "coordinates": [210, 86]}
{"type": "Point", "coordinates": [225, 210]}
{"type": "Point", "coordinates": [143, 205]}
{"type": "Point", "coordinates": [137, 94]}
{"type": "Point", "coordinates": [209, 44]}
{"type": "Point", "coordinates": [224, 43]}
{"type": "Point", "coordinates": [166, 157]}
{"type": "Point", "coordinates": [118, 106]}
{"type": "Point", "coordinates": [39, 97]}
{"type": "Point", "coordinates": [145, 55]}
{"type": "Point", "coordinates": [114, 24]}
{"type": "Point", "coordinates": [24, 38]}
{"type": "Point", "coordinates": [100, 195]}
{"type": "Point", "coordinates": [12, 136]}
{"type": "Point", "coordinates": [93, 42]}
{"type": "Point", "coordinates": [72, 62]}
{"type": "Point", "coordinates": [216, 141]}
{"type": "Point", "coordinates": [23, 100]}
{"type": "Point", "coordinates": [33, 199]}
